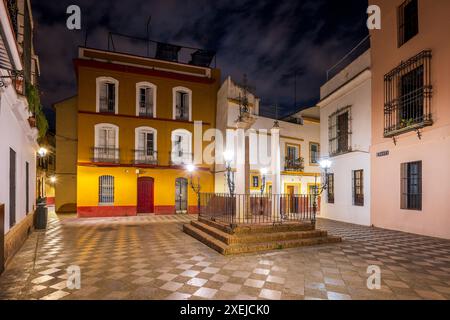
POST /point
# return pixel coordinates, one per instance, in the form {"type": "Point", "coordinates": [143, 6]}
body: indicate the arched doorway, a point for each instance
{"type": "Point", "coordinates": [181, 197]}
{"type": "Point", "coordinates": [145, 194]}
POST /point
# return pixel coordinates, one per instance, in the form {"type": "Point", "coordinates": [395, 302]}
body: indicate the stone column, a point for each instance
{"type": "Point", "coordinates": [275, 170]}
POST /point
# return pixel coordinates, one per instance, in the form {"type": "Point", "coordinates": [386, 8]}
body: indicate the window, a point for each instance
{"type": "Point", "coordinates": [145, 99]}
{"type": "Point", "coordinates": [107, 95]}
{"type": "Point", "coordinates": [330, 188]}
{"type": "Point", "coordinates": [106, 147]}
{"type": "Point", "coordinates": [339, 132]}
{"type": "Point", "coordinates": [293, 160]}
{"type": "Point", "coordinates": [255, 181]}
{"type": "Point", "coordinates": [313, 189]}
{"type": "Point", "coordinates": [182, 104]}
{"type": "Point", "coordinates": [12, 188]}
{"type": "Point", "coordinates": [106, 190]}
{"type": "Point", "coordinates": [411, 185]}
{"type": "Point", "coordinates": [181, 147]}
{"type": "Point", "coordinates": [358, 188]}
{"type": "Point", "coordinates": [314, 153]}
{"type": "Point", "coordinates": [408, 21]}
{"type": "Point", "coordinates": [408, 94]}
{"type": "Point", "coordinates": [145, 152]}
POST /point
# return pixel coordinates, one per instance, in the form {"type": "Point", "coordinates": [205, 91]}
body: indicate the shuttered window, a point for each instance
{"type": "Point", "coordinates": [358, 188]}
{"type": "Point", "coordinates": [107, 97]}
{"type": "Point", "coordinates": [411, 185]}
{"type": "Point", "coordinates": [330, 188]}
{"type": "Point", "coordinates": [182, 105]}
{"type": "Point", "coordinates": [106, 190]}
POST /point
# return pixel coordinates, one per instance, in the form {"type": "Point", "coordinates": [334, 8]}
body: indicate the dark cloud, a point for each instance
{"type": "Point", "coordinates": [269, 40]}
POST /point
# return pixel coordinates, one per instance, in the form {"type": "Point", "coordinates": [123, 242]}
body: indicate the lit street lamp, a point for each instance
{"type": "Point", "coordinates": [325, 165]}
{"type": "Point", "coordinates": [42, 152]}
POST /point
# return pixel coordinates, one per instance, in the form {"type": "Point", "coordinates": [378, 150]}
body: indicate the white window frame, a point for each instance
{"type": "Point", "coordinates": [188, 135]}
{"type": "Point", "coordinates": [140, 130]}
{"type": "Point", "coordinates": [142, 85]}
{"type": "Point", "coordinates": [174, 101]}
{"type": "Point", "coordinates": [99, 82]}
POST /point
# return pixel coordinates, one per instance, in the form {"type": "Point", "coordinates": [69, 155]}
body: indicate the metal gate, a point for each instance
{"type": "Point", "coordinates": [181, 198]}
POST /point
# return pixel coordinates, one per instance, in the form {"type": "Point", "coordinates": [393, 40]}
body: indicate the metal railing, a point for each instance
{"type": "Point", "coordinates": [145, 157]}
{"type": "Point", "coordinates": [105, 155]}
{"type": "Point", "coordinates": [258, 209]}
{"type": "Point", "coordinates": [294, 164]}
{"type": "Point", "coordinates": [145, 109]}
{"type": "Point", "coordinates": [182, 113]}
{"type": "Point", "coordinates": [107, 105]}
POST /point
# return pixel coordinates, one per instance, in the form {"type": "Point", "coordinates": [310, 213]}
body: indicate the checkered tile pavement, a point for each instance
{"type": "Point", "coordinates": [149, 257]}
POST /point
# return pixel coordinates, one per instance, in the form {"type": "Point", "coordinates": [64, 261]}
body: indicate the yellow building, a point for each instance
{"type": "Point", "coordinates": [134, 134]}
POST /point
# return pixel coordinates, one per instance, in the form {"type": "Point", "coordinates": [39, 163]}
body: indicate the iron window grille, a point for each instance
{"type": "Point", "coordinates": [411, 186]}
{"type": "Point", "coordinates": [339, 131]}
{"type": "Point", "coordinates": [106, 190]}
{"type": "Point", "coordinates": [408, 93]}
{"type": "Point", "coordinates": [330, 188]}
{"type": "Point", "coordinates": [358, 188]}
{"type": "Point", "coordinates": [408, 21]}
{"type": "Point", "coordinates": [255, 181]}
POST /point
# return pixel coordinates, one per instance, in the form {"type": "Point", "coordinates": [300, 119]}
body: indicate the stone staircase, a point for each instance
{"type": "Point", "coordinates": [246, 239]}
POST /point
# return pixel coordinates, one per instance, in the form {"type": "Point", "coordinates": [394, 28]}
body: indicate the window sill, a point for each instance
{"type": "Point", "coordinates": [423, 124]}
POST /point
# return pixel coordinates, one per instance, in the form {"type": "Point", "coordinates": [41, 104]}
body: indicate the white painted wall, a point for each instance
{"type": "Point", "coordinates": [357, 94]}
{"type": "Point", "coordinates": [16, 133]}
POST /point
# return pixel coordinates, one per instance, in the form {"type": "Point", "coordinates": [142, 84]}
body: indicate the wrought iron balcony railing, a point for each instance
{"type": "Point", "coordinates": [105, 155]}
{"type": "Point", "coordinates": [294, 164]}
{"type": "Point", "coordinates": [182, 113]}
{"type": "Point", "coordinates": [180, 158]}
{"type": "Point", "coordinates": [107, 105]}
{"type": "Point", "coordinates": [145, 109]}
{"type": "Point", "coordinates": [145, 157]}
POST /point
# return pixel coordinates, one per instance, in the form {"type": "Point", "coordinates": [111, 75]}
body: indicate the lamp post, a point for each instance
{"type": "Point", "coordinates": [263, 172]}
{"type": "Point", "coordinates": [324, 165]}
{"type": "Point", "coordinates": [195, 187]}
{"type": "Point", "coordinates": [228, 156]}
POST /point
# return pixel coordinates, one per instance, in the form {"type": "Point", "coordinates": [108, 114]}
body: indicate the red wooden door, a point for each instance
{"type": "Point", "coordinates": [145, 201]}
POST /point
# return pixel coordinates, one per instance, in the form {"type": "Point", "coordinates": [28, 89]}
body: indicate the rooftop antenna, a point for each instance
{"type": "Point", "coordinates": [148, 35]}
{"type": "Point", "coordinates": [276, 124]}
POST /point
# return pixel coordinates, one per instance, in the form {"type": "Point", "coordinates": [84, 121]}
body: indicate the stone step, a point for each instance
{"type": "Point", "coordinates": [256, 237]}
{"type": "Point", "coordinates": [269, 228]}
{"type": "Point", "coordinates": [239, 248]}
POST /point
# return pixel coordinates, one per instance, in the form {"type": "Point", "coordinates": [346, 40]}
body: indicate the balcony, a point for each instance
{"type": "Point", "coordinates": [182, 113]}
{"type": "Point", "coordinates": [145, 157]}
{"type": "Point", "coordinates": [179, 158]}
{"type": "Point", "coordinates": [294, 165]}
{"type": "Point", "coordinates": [105, 155]}
{"type": "Point", "coordinates": [145, 109]}
{"type": "Point", "coordinates": [107, 105]}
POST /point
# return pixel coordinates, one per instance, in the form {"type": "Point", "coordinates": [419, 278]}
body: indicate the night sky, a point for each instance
{"type": "Point", "coordinates": [269, 40]}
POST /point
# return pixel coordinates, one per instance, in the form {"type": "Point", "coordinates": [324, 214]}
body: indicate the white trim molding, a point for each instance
{"type": "Point", "coordinates": [174, 101]}
{"type": "Point", "coordinates": [101, 80]}
{"type": "Point", "coordinates": [145, 84]}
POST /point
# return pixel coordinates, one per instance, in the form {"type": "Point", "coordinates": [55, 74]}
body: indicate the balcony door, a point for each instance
{"type": "Point", "coordinates": [146, 147]}
{"type": "Point", "coordinates": [181, 196]}
{"type": "Point", "coordinates": [145, 201]}
{"type": "Point", "coordinates": [106, 145]}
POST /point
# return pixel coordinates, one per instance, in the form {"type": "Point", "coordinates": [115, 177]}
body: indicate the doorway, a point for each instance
{"type": "Point", "coordinates": [181, 197]}
{"type": "Point", "coordinates": [146, 190]}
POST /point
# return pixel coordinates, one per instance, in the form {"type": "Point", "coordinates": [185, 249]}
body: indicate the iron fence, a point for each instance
{"type": "Point", "coordinates": [105, 155]}
{"type": "Point", "coordinates": [255, 209]}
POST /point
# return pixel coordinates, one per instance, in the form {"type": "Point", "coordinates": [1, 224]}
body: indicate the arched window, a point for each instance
{"type": "Point", "coordinates": [107, 95]}
{"type": "Point", "coordinates": [145, 146]}
{"type": "Point", "coordinates": [181, 147]}
{"type": "Point", "coordinates": [106, 148]}
{"type": "Point", "coordinates": [106, 190]}
{"type": "Point", "coordinates": [146, 100]}
{"type": "Point", "coordinates": [182, 104]}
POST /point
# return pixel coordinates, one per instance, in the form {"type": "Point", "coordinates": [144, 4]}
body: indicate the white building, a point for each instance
{"type": "Point", "coordinates": [299, 144]}
{"type": "Point", "coordinates": [18, 144]}
{"type": "Point", "coordinates": [345, 131]}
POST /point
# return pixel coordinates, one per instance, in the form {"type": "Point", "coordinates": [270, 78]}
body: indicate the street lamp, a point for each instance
{"type": "Point", "coordinates": [325, 165]}
{"type": "Point", "coordinates": [53, 179]}
{"type": "Point", "coordinates": [195, 187]}
{"type": "Point", "coordinates": [42, 152]}
{"type": "Point", "coordinates": [228, 156]}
